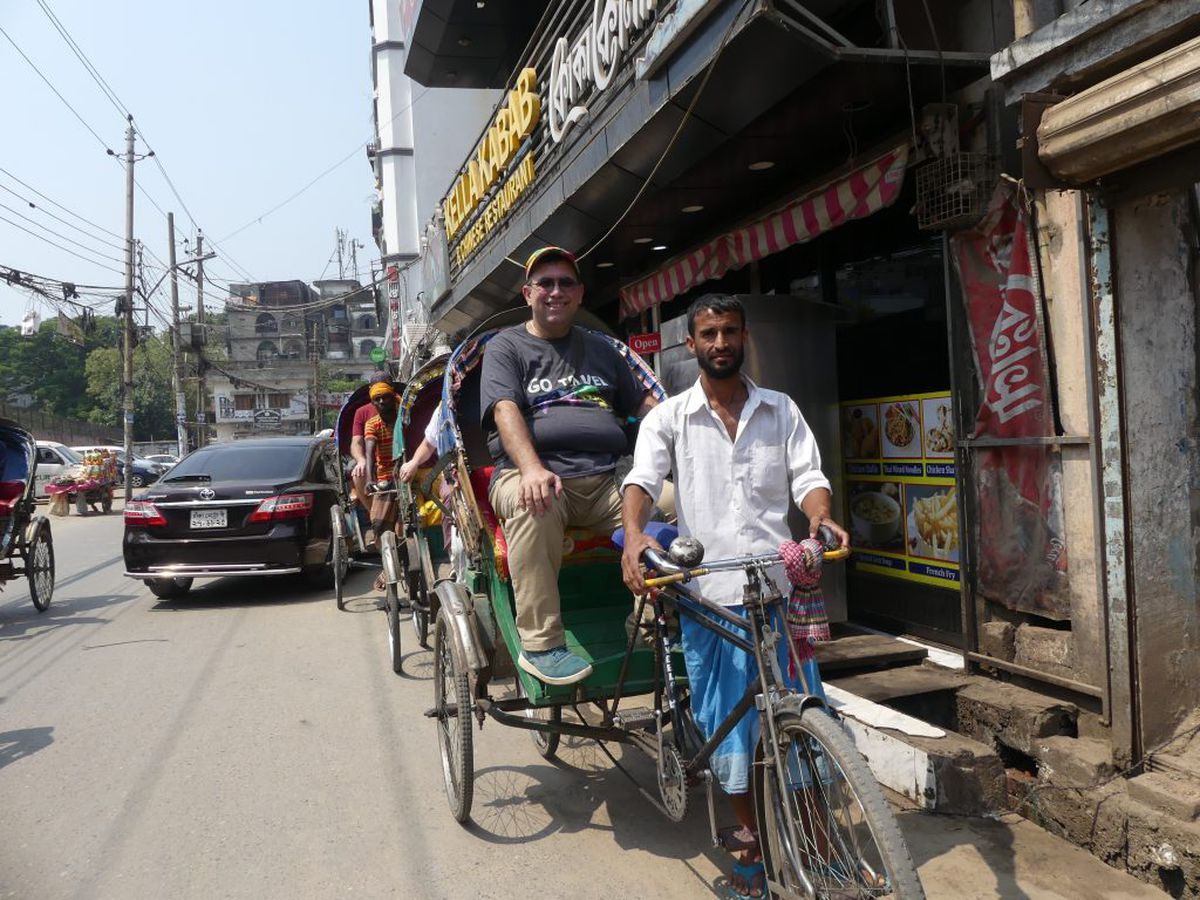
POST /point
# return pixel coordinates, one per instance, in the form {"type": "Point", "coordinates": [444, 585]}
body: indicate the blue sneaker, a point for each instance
{"type": "Point", "coordinates": [558, 665]}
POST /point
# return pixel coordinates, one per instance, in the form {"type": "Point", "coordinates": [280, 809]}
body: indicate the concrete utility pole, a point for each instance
{"type": "Point", "coordinates": [202, 411]}
{"type": "Point", "coordinates": [127, 349]}
{"type": "Point", "coordinates": [340, 238]}
{"type": "Point", "coordinates": [181, 435]}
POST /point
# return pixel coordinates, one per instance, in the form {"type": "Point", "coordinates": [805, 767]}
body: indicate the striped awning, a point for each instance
{"type": "Point", "coordinates": [854, 196]}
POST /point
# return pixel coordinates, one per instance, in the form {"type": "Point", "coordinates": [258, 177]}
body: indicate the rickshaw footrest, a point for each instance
{"type": "Point", "coordinates": [635, 718]}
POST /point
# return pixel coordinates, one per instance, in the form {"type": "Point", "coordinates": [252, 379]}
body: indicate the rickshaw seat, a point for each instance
{"type": "Point", "coordinates": [10, 493]}
{"type": "Point", "coordinates": [580, 543]}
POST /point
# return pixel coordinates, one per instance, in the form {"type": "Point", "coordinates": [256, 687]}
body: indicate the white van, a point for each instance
{"type": "Point", "coordinates": [52, 460]}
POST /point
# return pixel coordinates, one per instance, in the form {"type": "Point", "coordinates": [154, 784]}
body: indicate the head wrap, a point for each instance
{"type": "Point", "coordinates": [381, 389]}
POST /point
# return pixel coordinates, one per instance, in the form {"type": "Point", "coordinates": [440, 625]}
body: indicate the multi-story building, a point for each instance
{"type": "Point", "coordinates": [285, 342]}
{"type": "Point", "coordinates": [422, 133]}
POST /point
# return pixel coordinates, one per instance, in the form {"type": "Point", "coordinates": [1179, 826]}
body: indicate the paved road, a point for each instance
{"type": "Point", "coordinates": [251, 741]}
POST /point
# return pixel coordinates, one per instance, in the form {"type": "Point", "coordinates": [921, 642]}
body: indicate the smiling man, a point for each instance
{"type": "Point", "coordinates": [554, 400]}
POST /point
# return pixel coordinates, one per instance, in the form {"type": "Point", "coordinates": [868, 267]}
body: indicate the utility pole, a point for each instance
{"type": "Point", "coordinates": [181, 435]}
{"type": "Point", "coordinates": [202, 411]}
{"type": "Point", "coordinates": [127, 349]}
{"type": "Point", "coordinates": [340, 238]}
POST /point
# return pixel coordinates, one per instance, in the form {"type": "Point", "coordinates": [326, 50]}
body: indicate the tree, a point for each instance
{"type": "Point", "coordinates": [153, 397]}
{"type": "Point", "coordinates": [50, 366]}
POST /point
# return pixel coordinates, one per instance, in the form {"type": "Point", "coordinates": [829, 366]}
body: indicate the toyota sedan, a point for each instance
{"type": "Point", "coordinates": [254, 507]}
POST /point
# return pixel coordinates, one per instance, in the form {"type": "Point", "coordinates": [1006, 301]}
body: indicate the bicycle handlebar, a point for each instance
{"type": "Point", "coordinates": [677, 574]}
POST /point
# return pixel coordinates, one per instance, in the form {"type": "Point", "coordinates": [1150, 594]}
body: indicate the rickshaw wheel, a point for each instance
{"type": "Point", "coordinates": [106, 501]}
{"type": "Point", "coordinates": [393, 614]}
{"type": "Point", "coordinates": [39, 568]}
{"type": "Point", "coordinates": [418, 602]}
{"type": "Point", "coordinates": [545, 742]}
{"type": "Point", "coordinates": [452, 705]}
{"type": "Point", "coordinates": [340, 558]}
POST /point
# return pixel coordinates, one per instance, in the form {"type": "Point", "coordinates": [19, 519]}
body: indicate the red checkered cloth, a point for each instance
{"type": "Point", "coordinates": [806, 617]}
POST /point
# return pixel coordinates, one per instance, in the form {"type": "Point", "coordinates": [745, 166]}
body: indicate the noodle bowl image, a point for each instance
{"type": "Point", "coordinates": [874, 517]}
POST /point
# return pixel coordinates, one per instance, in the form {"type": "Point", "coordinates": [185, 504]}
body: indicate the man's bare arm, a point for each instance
{"type": "Point", "coordinates": [817, 506]}
{"type": "Point", "coordinates": [539, 486]}
{"type": "Point", "coordinates": [636, 506]}
{"type": "Point", "coordinates": [370, 460]}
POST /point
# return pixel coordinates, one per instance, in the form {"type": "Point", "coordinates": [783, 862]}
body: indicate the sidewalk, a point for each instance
{"type": "Point", "coordinates": [1008, 858]}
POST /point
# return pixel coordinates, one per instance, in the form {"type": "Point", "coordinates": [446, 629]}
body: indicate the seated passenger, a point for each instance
{"type": "Point", "coordinates": [554, 398]}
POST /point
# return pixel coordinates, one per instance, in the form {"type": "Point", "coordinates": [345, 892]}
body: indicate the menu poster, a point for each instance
{"type": "Point", "coordinates": [901, 499]}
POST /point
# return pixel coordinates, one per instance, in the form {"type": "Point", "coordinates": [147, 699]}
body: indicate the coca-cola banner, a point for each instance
{"type": "Point", "coordinates": [1021, 554]}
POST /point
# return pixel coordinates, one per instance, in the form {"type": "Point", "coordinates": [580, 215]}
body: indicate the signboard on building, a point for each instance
{"type": "Point", "coordinates": [268, 419]}
{"type": "Point", "coordinates": [435, 265]}
{"type": "Point", "coordinates": [485, 190]}
{"type": "Point", "coordinates": [646, 343]}
{"type": "Point", "coordinates": [587, 66]}
{"type": "Point", "coordinates": [901, 499]}
{"type": "Point", "coordinates": [378, 355]}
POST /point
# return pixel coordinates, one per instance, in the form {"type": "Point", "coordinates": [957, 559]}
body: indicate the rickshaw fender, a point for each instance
{"type": "Point", "coordinates": [388, 554]}
{"type": "Point", "coordinates": [413, 553]}
{"type": "Point", "coordinates": [459, 605]}
{"type": "Point", "coordinates": [31, 529]}
{"type": "Point", "coordinates": [798, 703]}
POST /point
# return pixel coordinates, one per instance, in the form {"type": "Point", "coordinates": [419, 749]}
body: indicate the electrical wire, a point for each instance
{"type": "Point", "coordinates": [69, 212]}
{"type": "Point", "coordinates": [83, 231]}
{"type": "Point", "coordinates": [50, 85]}
{"type": "Point", "coordinates": [60, 246]}
{"type": "Point", "coordinates": [108, 92]}
{"type": "Point", "coordinates": [61, 237]}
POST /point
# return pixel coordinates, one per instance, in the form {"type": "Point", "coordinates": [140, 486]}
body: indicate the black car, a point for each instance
{"type": "Point", "coordinates": [253, 507]}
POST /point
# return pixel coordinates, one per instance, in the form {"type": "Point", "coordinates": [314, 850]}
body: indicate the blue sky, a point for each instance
{"type": "Point", "coordinates": [243, 102]}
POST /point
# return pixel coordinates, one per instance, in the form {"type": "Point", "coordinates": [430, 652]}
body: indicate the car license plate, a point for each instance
{"type": "Point", "coordinates": [210, 518]}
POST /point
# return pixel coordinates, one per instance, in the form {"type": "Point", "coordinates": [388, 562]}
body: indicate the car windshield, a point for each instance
{"type": "Point", "coordinates": [231, 462]}
{"type": "Point", "coordinates": [71, 455]}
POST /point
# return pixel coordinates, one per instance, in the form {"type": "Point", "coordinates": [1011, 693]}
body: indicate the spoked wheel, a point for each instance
{"type": "Point", "coordinates": [393, 616]}
{"type": "Point", "coordinates": [418, 602]}
{"type": "Point", "coordinates": [452, 706]}
{"type": "Point", "coordinates": [340, 556]}
{"type": "Point", "coordinates": [39, 568]}
{"type": "Point", "coordinates": [826, 822]}
{"type": "Point", "coordinates": [545, 742]}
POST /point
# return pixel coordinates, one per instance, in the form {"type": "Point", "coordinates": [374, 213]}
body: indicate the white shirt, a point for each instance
{"type": "Point", "coordinates": [730, 494]}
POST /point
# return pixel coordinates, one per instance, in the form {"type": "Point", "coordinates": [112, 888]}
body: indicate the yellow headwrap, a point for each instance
{"type": "Point", "coordinates": [381, 389]}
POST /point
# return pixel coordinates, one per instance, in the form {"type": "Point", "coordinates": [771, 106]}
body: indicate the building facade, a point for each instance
{"type": "Point", "coordinates": [286, 341]}
{"type": "Point", "coordinates": [998, 201]}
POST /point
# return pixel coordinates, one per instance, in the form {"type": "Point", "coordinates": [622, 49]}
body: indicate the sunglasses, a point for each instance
{"type": "Point", "coordinates": [549, 284]}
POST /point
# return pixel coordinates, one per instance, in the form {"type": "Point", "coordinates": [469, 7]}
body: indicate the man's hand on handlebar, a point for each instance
{"type": "Point", "coordinates": [408, 471]}
{"type": "Point", "coordinates": [631, 560]}
{"type": "Point", "coordinates": [825, 523]}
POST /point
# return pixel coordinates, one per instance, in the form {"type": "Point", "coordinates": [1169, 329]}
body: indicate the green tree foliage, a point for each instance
{"type": "Point", "coordinates": [51, 367]}
{"type": "Point", "coordinates": [153, 398]}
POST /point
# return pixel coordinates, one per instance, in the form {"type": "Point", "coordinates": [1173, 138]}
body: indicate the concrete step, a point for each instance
{"type": "Point", "coordinates": [866, 651]}
{"type": "Point", "coordinates": [902, 681]}
{"type": "Point", "coordinates": [995, 712]}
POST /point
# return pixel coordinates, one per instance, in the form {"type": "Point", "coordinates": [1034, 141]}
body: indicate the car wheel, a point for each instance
{"type": "Point", "coordinates": [138, 480]}
{"type": "Point", "coordinates": [169, 588]}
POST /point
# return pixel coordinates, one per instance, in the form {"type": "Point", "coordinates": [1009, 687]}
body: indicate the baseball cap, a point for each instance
{"type": "Point", "coordinates": [546, 254]}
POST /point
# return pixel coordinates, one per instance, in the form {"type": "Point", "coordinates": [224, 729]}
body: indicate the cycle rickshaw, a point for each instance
{"type": "Point", "coordinates": [417, 554]}
{"type": "Point", "coordinates": [349, 541]}
{"type": "Point", "coordinates": [26, 545]}
{"type": "Point", "coordinates": [825, 829]}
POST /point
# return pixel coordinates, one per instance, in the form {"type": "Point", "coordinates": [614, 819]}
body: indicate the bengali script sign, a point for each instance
{"type": "Point", "coordinates": [1022, 557]}
{"type": "Point", "coordinates": [588, 65]}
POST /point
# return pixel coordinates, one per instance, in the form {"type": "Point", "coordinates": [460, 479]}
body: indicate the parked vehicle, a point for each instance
{"type": "Point", "coordinates": [53, 459]}
{"type": "Point", "coordinates": [144, 471]}
{"type": "Point", "coordinates": [26, 546]}
{"type": "Point", "coordinates": [163, 459]}
{"type": "Point", "coordinates": [255, 507]}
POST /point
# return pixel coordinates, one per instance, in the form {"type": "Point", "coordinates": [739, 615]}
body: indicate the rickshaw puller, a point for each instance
{"type": "Point", "coordinates": [554, 399]}
{"type": "Point", "coordinates": [358, 445]}
{"type": "Point", "coordinates": [378, 434]}
{"type": "Point", "coordinates": [738, 452]}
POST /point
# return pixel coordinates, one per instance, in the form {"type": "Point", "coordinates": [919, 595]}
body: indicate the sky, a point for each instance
{"type": "Point", "coordinates": [244, 103]}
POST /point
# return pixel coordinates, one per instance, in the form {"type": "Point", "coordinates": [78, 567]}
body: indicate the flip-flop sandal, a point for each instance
{"type": "Point", "coordinates": [736, 838]}
{"type": "Point", "coordinates": [752, 874]}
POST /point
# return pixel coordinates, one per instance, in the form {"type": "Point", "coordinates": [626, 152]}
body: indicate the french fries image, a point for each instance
{"type": "Point", "coordinates": [936, 518]}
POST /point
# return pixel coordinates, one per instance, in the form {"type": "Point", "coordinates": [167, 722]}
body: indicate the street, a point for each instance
{"type": "Point", "coordinates": [251, 741]}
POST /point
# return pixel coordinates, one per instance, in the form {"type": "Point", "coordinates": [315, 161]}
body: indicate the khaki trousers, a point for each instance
{"type": "Point", "coordinates": [535, 546]}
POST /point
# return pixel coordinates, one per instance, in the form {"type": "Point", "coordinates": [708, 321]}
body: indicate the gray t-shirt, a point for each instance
{"type": "Point", "coordinates": [575, 394]}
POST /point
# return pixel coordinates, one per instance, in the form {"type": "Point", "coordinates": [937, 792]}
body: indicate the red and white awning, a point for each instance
{"type": "Point", "coordinates": [855, 196]}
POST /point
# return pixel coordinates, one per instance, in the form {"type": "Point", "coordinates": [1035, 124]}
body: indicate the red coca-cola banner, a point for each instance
{"type": "Point", "coordinates": [1021, 554]}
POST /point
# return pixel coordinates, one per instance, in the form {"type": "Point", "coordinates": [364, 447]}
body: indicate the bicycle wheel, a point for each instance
{"type": "Point", "coordinates": [393, 617]}
{"type": "Point", "coordinates": [39, 568]}
{"type": "Point", "coordinates": [418, 602]}
{"type": "Point", "coordinates": [340, 557]}
{"type": "Point", "coordinates": [545, 742]}
{"type": "Point", "coordinates": [828, 822]}
{"type": "Point", "coordinates": [452, 706]}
